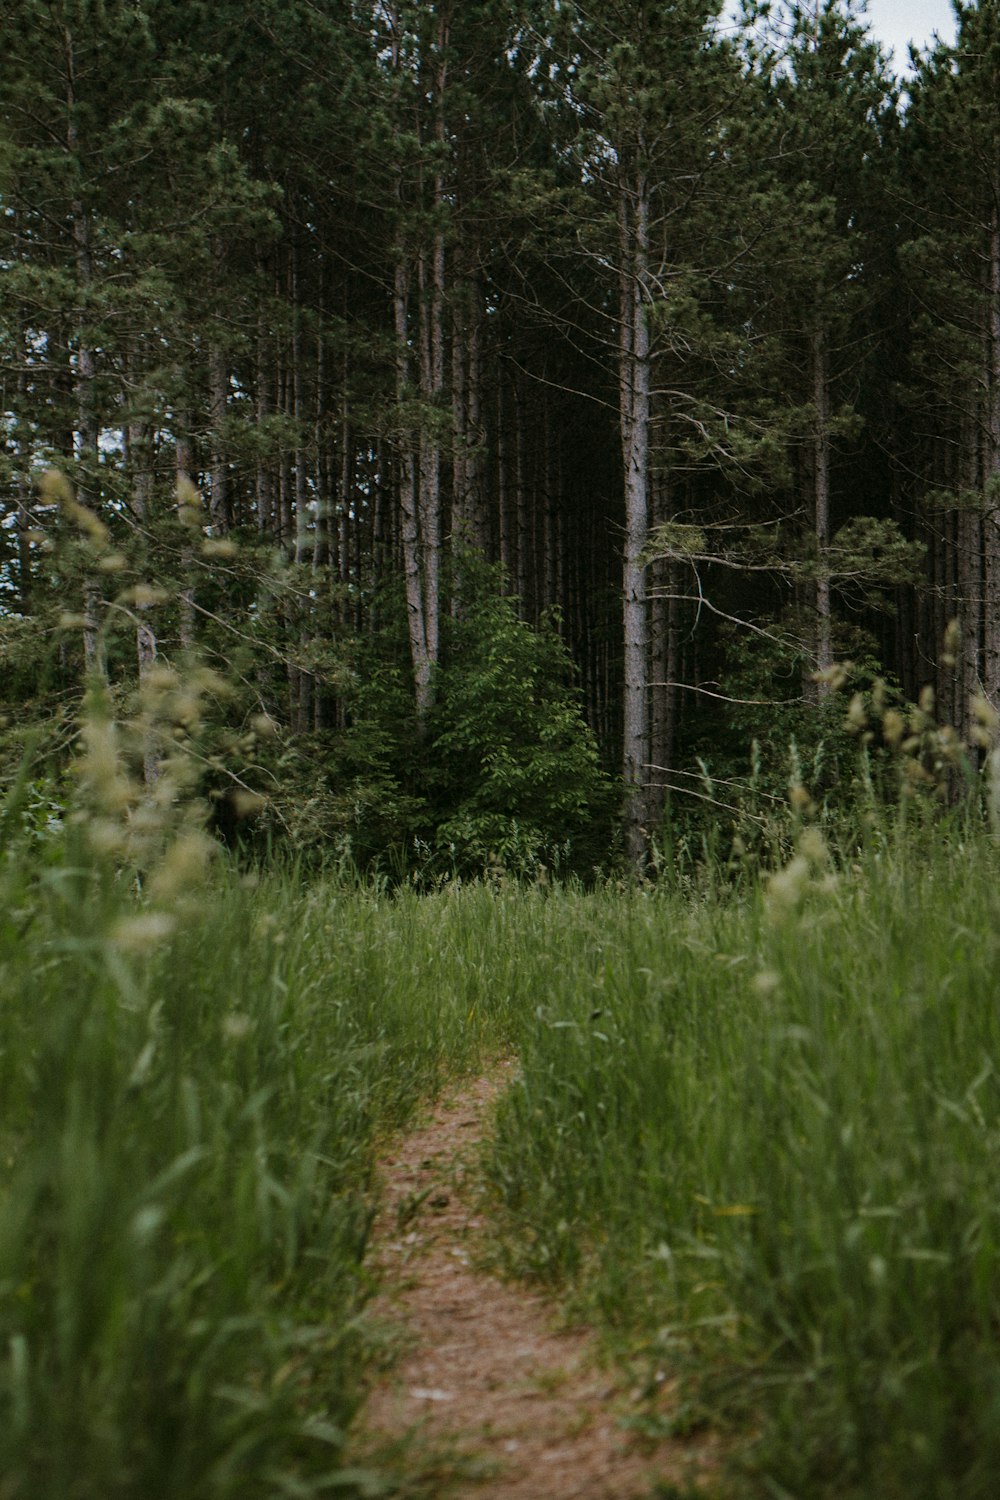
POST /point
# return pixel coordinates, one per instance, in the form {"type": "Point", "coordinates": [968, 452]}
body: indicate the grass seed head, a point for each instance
{"type": "Point", "coordinates": [984, 713]}
{"type": "Point", "coordinates": [107, 837]}
{"type": "Point", "coordinates": [893, 727]}
{"type": "Point", "coordinates": [207, 680]}
{"type": "Point", "coordinates": [145, 595]}
{"type": "Point", "coordinates": [91, 526]}
{"type": "Point", "coordinates": [246, 803]}
{"type": "Point", "coordinates": [952, 644]}
{"type": "Point", "coordinates": [236, 1026]}
{"type": "Point", "coordinates": [799, 798]}
{"type": "Point", "coordinates": [100, 768]}
{"type": "Point", "coordinates": [190, 512]}
{"type": "Point", "coordinates": [786, 888]}
{"type": "Point", "coordinates": [55, 488]}
{"type": "Point", "coordinates": [835, 676]}
{"type": "Point", "coordinates": [143, 933]}
{"type": "Point", "coordinates": [857, 718]}
{"type": "Point", "coordinates": [220, 547]}
{"type": "Point", "coordinates": [812, 846]}
{"type": "Point", "coordinates": [161, 679]}
{"type": "Point", "coordinates": [182, 867]}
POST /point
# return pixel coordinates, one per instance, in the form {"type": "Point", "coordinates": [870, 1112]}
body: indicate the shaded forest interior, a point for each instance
{"type": "Point", "coordinates": [517, 401]}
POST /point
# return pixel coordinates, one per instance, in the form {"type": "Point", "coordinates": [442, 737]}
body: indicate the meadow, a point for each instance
{"type": "Point", "coordinates": [755, 1138]}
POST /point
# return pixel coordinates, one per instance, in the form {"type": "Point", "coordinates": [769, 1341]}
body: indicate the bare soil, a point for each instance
{"type": "Point", "coordinates": [486, 1374]}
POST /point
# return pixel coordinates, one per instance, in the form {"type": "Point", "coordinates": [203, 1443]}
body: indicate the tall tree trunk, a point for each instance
{"type": "Point", "coordinates": [504, 529]}
{"type": "Point", "coordinates": [301, 461]}
{"type": "Point", "coordinates": [139, 466]}
{"type": "Point", "coordinates": [821, 508]}
{"type": "Point", "coordinates": [461, 519]}
{"type": "Point", "coordinates": [432, 390]}
{"type": "Point", "coordinates": [419, 462]}
{"type": "Point", "coordinates": [469, 520]}
{"type": "Point", "coordinates": [634, 405]}
{"type": "Point", "coordinates": [24, 527]}
{"type": "Point", "coordinates": [969, 577]}
{"type": "Point", "coordinates": [548, 595]}
{"type": "Point", "coordinates": [663, 666]}
{"type": "Point", "coordinates": [87, 424]}
{"type": "Point", "coordinates": [991, 468]}
{"type": "Point", "coordinates": [285, 527]}
{"type": "Point", "coordinates": [344, 511]}
{"type": "Point", "coordinates": [219, 505]}
{"type": "Point", "coordinates": [522, 508]}
{"type": "Point", "coordinates": [475, 499]}
{"type": "Point", "coordinates": [321, 541]}
{"type": "Point", "coordinates": [184, 460]}
{"type": "Point", "coordinates": [264, 481]}
{"type": "Point", "coordinates": [409, 518]}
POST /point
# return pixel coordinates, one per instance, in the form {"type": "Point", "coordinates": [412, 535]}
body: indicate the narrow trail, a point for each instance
{"type": "Point", "coordinates": [485, 1373]}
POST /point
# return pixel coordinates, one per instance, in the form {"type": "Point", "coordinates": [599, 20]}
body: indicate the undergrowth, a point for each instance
{"type": "Point", "coordinates": [756, 1131]}
{"type": "Point", "coordinates": [192, 1082]}
{"type": "Point", "coordinates": [756, 1134]}
{"type": "Point", "coordinates": [758, 1137]}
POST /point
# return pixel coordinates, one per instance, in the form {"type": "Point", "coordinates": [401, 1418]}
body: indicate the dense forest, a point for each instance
{"type": "Point", "coordinates": [524, 408]}
{"type": "Point", "coordinates": [524, 475]}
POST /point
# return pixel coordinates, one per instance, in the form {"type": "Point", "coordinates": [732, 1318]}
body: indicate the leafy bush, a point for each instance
{"type": "Point", "coordinates": [516, 771]}
{"type": "Point", "coordinates": [506, 772]}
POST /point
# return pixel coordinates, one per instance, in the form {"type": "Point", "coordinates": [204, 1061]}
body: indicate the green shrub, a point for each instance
{"type": "Point", "coordinates": [515, 773]}
{"type": "Point", "coordinates": [505, 773]}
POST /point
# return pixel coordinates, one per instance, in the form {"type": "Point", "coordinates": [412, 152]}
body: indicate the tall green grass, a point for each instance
{"type": "Point", "coordinates": [761, 1136]}
{"type": "Point", "coordinates": [756, 1131]}
{"type": "Point", "coordinates": [188, 1113]}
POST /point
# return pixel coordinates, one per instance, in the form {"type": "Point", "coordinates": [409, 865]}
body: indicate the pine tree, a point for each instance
{"type": "Point", "coordinates": [648, 86]}
{"type": "Point", "coordinates": [950, 196]}
{"type": "Point", "coordinates": [826, 105]}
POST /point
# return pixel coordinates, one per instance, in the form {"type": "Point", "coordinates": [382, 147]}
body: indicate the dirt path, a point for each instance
{"type": "Point", "coordinates": [484, 1371]}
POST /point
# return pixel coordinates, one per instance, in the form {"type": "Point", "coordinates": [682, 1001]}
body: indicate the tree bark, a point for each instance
{"type": "Point", "coordinates": [219, 505]}
{"type": "Point", "coordinates": [821, 510]}
{"type": "Point", "coordinates": [86, 449]}
{"type": "Point", "coordinates": [991, 469]}
{"type": "Point", "coordinates": [24, 527]}
{"type": "Point", "coordinates": [969, 574]}
{"type": "Point", "coordinates": [521, 506]}
{"type": "Point", "coordinates": [664, 666]}
{"type": "Point", "coordinates": [139, 461]}
{"type": "Point", "coordinates": [264, 480]}
{"type": "Point", "coordinates": [634, 405]}
{"type": "Point", "coordinates": [301, 460]}
{"type": "Point", "coordinates": [409, 518]}
{"type": "Point", "coordinates": [184, 461]}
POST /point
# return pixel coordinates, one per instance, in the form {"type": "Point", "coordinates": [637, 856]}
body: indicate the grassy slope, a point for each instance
{"type": "Point", "coordinates": [762, 1138]}
{"type": "Point", "coordinates": [185, 1144]}
{"type": "Point", "coordinates": [760, 1135]}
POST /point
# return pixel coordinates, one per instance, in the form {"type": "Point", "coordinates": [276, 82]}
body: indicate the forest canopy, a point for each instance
{"type": "Point", "coordinates": [524, 409]}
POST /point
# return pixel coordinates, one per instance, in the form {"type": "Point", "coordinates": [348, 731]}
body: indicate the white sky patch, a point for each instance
{"type": "Point", "coordinates": [895, 23]}
{"type": "Point", "coordinates": [898, 22]}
